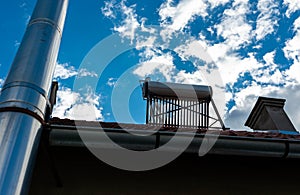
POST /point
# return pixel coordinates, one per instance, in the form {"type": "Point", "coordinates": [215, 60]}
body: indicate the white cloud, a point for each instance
{"type": "Point", "coordinates": [244, 101]}
{"type": "Point", "coordinates": [265, 77]}
{"type": "Point", "coordinates": [85, 111]}
{"type": "Point", "coordinates": [237, 32]}
{"type": "Point", "coordinates": [269, 58]}
{"type": "Point", "coordinates": [189, 78]}
{"type": "Point", "coordinates": [64, 71]}
{"type": "Point", "coordinates": [217, 51]}
{"type": "Point", "coordinates": [269, 72]}
{"type": "Point", "coordinates": [297, 24]}
{"type": "Point", "coordinates": [27, 15]}
{"type": "Point", "coordinates": [143, 42]}
{"type": "Point", "coordinates": [85, 73]}
{"type": "Point", "coordinates": [65, 99]}
{"type": "Point", "coordinates": [107, 10]}
{"type": "Point", "coordinates": [184, 12]}
{"type": "Point", "coordinates": [234, 27]}
{"type": "Point", "coordinates": [92, 98]}
{"type": "Point", "coordinates": [111, 82]}
{"type": "Point", "coordinates": [292, 51]}
{"type": "Point", "coordinates": [267, 18]}
{"type": "Point", "coordinates": [130, 23]}
{"type": "Point", "coordinates": [73, 105]}
{"type": "Point", "coordinates": [215, 3]}
{"type": "Point", "coordinates": [292, 47]}
{"type": "Point", "coordinates": [1, 83]}
{"type": "Point", "coordinates": [292, 74]}
{"type": "Point", "coordinates": [293, 5]}
{"type": "Point", "coordinates": [193, 49]}
{"type": "Point", "coordinates": [231, 66]}
{"type": "Point", "coordinates": [246, 98]}
{"type": "Point", "coordinates": [292, 94]}
{"type": "Point", "coordinates": [149, 52]}
{"type": "Point", "coordinates": [162, 64]}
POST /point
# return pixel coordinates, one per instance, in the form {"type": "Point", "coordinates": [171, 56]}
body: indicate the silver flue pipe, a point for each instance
{"type": "Point", "coordinates": [24, 96]}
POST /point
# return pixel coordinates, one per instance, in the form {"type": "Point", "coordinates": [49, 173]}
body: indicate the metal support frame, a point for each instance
{"type": "Point", "coordinates": [181, 113]}
{"type": "Point", "coordinates": [177, 113]}
{"type": "Point", "coordinates": [179, 105]}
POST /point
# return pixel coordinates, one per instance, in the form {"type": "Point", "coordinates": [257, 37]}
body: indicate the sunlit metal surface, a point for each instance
{"type": "Point", "coordinates": [24, 96]}
{"type": "Point", "coordinates": [176, 90]}
{"type": "Point", "coordinates": [19, 142]}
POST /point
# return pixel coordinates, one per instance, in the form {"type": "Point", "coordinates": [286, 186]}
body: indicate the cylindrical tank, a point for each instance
{"type": "Point", "coordinates": [177, 91]}
{"type": "Point", "coordinates": [24, 96]}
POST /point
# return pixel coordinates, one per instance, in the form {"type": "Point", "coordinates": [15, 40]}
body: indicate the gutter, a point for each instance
{"type": "Point", "coordinates": [68, 136]}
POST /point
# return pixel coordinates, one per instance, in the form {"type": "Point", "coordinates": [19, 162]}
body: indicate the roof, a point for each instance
{"type": "Point", "coordinates": [64, 168]}
{"type": "Point", "coordinates": [118, 126]}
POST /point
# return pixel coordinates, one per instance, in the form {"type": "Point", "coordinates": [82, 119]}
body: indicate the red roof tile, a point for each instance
{"type": "Point", "coordinates": [114, 125]}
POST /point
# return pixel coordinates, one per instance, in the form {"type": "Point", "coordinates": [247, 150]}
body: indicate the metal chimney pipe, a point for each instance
{"type": "Point", "coordinates": [24, 96]}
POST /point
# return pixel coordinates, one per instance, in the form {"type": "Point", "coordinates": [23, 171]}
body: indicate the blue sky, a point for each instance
{"type": "Point", "coordinates": [243, 48]}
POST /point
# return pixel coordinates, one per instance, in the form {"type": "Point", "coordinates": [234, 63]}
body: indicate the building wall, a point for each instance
{"type": "Point", "coordinates": [82, 173]}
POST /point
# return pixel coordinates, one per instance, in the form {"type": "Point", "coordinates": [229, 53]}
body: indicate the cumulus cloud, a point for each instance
{"type": "Point", "coordinates": [297, 24]}
{"type": "Point", "coordinates": [231, 66]}
{"type": "Point", "coordinates": [85, 73]}
{"type": "Point", "coordinates": [65, 99]}
{"type": "Point", "coordinates": [267, 19]}
{"type": "Point", "coordinates": [234, 27]}
{"type": "Point", "coordinates": [182, 13]}
{"type": "Point", "coordinates": [292, 47]}
{"type": "Point", "coordinates": [157, 64]}
{"type": "Point", "coordinates": [189, 78]}
{"type": "Point", "coordinates": [235, 34]}
{"type": "Point", "coordinates": [292, 6]}
{"type": "Point", "coordinates": [246, 98]}
{"type": "Point", "coordinates": [292, 74]}
{"type": "Point", "coordinates": [85, 111]}
{"type": "Point", "coordinates": [285, 84]}
{"type": "Point", "coordinates": [292, 51]}
{"type": "Point", "coordinates": [107, 10]}
{"type": "Point", "coordinates": [74, 105]}
{"type": "Point", "coordinates": [269, 72]}
{"type": "Point", "coordinates": [65, 71]}
{"type": "Point", "coordinates": [147, 42]}
{"type": "Point", "coordinates": [215, 3]}
{"type": "Point", "coordinates": [267, 80]}
{"type": "Point", "coordinates": [129, 24]}
{"type": "Point", "coordinates": [193, 48]}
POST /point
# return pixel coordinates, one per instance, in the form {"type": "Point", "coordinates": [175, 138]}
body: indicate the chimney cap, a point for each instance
{"type": "Point", "coordinates": [268, 114]}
